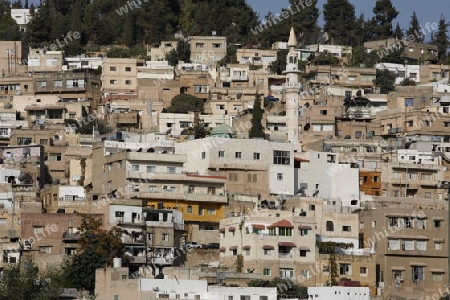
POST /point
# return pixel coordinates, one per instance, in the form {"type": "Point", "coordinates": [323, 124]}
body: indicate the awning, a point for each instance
{"type": "Point", "coordinates": [222, 229]}
{"type": "Point", "coordinates": [287, 244]}
{"type": "Point", "coordinates": [258, 226]}
{"type": "Point", "coordinates": [437, 270]}
{"type": "Point", "coordinates": [231, 228]}
{"type": "Point", "coordinates": [409, 237]}
{"type": "Point", "coordinates": [438, 240]}
{"type": "Point", "coordinates": [304, 248]}
{"type": "Point", "coordinates": [233, 248]}
{"type": "Point", "coordinates": [398, 268]}
{"type": "Point", "coordinates": [268, 247]}
{"type": "Point", "coordinates": [222, 249]}
{"type": "Point", "coordinates": [246, 247]}
{"type": "Point", "coordinates": [419, 264]}
{"type": "Point", "coordinates": [438, 218]}
{"type": "Point", "coordinates": [304, 227]}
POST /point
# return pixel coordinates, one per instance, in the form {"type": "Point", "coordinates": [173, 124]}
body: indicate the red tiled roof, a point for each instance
{"type": "Point", "coordinates": [287, 244]}
{"type": "Point", "coordinates": [268, 247]}
{"type": "Point", "coordinates": [282, 223]}
{"type": "Point", "coordinates": [305, 227]}
{"type": "Point", "coordinates": [304, 248]}
{"type": "Point", "coordinates": [233, 248]}
{"type": "Point", "coordinates": [231, 228]}
{"type": "Point", "coordinates": [246, 247]}
{"type": "Point", "coordinates": [258, 226]}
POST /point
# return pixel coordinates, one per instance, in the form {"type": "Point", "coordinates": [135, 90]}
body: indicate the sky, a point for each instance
{"type": "Point", "coordinates": [426, 11]}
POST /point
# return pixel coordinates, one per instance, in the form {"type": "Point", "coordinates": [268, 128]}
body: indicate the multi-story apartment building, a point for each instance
{"type": "Point", "coordinates": [256, 57]}
{"type": "Point", "coordinates": [153, 173]}
{"type": "Point", "coordinates": [410, 248]}
{"type": "Point", "coordinates": [414, 52]}
{"type": "Point", "coordinates": [207, 49]}
{"type": "Point", "coordinates": [67, 199]}
{"type": "Point", "coordinates": [13, 57]}
{"type": "Point", "coordinates": [195, 79]}
{"type": "Point", "coordinates": [412, 173]}
{"type": "Point", "coordinates": [119, 78]}
{"type": "Point", "coordinates": [43, 61]}
{"type": "Point", "coordinates": [159, 53]}
{"type": "Point", "coordinates": [273, 244]}
{"type": "Point", "coordinates": [176, 123]}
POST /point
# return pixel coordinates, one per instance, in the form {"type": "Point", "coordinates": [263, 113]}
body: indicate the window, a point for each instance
{"type": "Point", "coordinates": [303, 253]}
{"type": "Point", "coordinates": [326, 269]}
{"type": "Point", "coordinates": [422, 245]}
{"type": "Point", "coordinates": [409, 101]}
{"type": "Point", "coordinates": [57, 83]}
{"type": "Point", "coordinates": [407, 222]}
{"type": "Point", "coordinates": [211, 190]}
{"type": "Point", "coordinates": [408, 245]}
{"type": "Point", "coordinates": [286, 273]}
{"type": "Point", "coordinates": [208, 227]}
{"type": "Point", "coordinates": [41, 84]}
{"type": "Point", "coordinates": [200, 211]}
{"type": "Point", "coordinates": [417, 273]}
{"type": "Point", "coordinates": [256, 156]}
{"type": "Point", "coordinates": [267, 272]}
{"type": "Point", "coordinates": [280, 176]}
{"type": "Point", "coordinates": [221, 153]}
{"type": "Point", "coordinates": [45, 249]}
{"type": "Point", "coordinates": [363, 271]}
{"type": "Point", "coordinates": [43, 142]}
{"type": "Point", "coordinates": [267, 252]}
{"type": "Point", "coordinates": [245, 297]}
{"type": "Point", "coordinates": [281, 157]}
{"type": "Point", "coordinates": [189, 209]}
{"type": "Point", "coordinates": [361, 225]}
{"type": "Point", "coordinates": [346, 228]}
{"type": "Point", "coordinates": [112, 81]}
{"type": "Point", "coordinates": [393, 244]}
{"type": "Point", "coordinates": [303, 232]}
{"type": "Point", "coordinates": [128, 82]}
{"type": "Point", "coordinates": [238, 154]}
{"type": "Point", "coordinates": [165, 237]}
{"type": "Point", "coordinates": [201, 89]}
{"type": "Point", "coordinates": [127, 69]}
{"type": "Point", "coordinates": [2, 221]}
{"type": "Point", "coordinates": [203, 155]}
{"type": "Point", "coordinates": [312, 207]}
{"type": "Point", "coordinates": [420, 223]}
{"type": "Point", "coordinates": [272, 232]}
{"type": "Point", "coordinates": [150, 169]}
{"type": "Point", "coordinates": [330, 226]}
{"type": "Point", "coordinates": [437, 223]}
{"type": "Point", "coordinates": [345, 269]}
{"type": "Point", "coordinates": [233, 176]}
{"type": "Point", "coordinates": [119, 165]}
{"type": "Point", "coordinates": [199, 45]}
{"type": "Point", "coordinates": [152, 189]}
{"type": "Point", "coordinates": [437, 245]}
{"type": "Point", "coordinates": [171, 170]}
{"type": "Point", "coordinates": [112, 69]}
{"type": "Point", "coordinates": [374, 224]}
{"type": "Point", "coordinates": [252, 177]}
{"type": "Point", "coordinates": [436, 277]}
{"type": "Point", "coordinates": [284, 231]}
{"type": "Point", "coordinates": [397, 275]}
{"type": "Point", "coordinates": [393, 222]}
{"type": "Point", "coordinates": [323, 112]}
{"type": "Point", "coordinates": [211, 211]}
{"type": "Point", "coordinates": [135, 168]}
{"type": "Point", "coordinates": [37, 229]}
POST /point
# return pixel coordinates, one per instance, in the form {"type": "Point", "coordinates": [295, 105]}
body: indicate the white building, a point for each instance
{"type": "Point", "coordinates": [82, 62]}
{"type": "Point", "coordinates": [156, 70]}
{"type": "Point", "coordinates": [176, 123]}
{"type": "Point", "coordinates": [22, 16]}
{"type": "Point", "coordinates": [321, 175]}
{"type": "Point", "coordinates": [402, 71]}
{"type": "Point", "coordinates": [339, 293]}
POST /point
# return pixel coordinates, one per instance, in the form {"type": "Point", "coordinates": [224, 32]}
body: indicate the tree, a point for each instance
{"type": "Point", "coordinates": [181, 53]}
{"type": "Point", "coordinates": [98, 248]}
{"type": "Point", "coordinates": [198, 129]}
{"type": "Point", "coordinates": [398, 32]}
{"type": "Point", "coordinates": [279, 65]}
{"type": "Point", "coordinates": [94, 124]}
{"type": "Point", "coordinates": [24, 281]}
{"type": "Point", "coordinates": [385, 80]}
{"type": "Point", "coordinates": [257, 130]}
{"type": "Point", "coordinates": [414, 29]}
{"type": "Point", "coordinates": [441, 39]}
{"type": "Point", "coordinates": [286, 288]}
{"type": "Point", "coordinates": [340, 21]}
{"type": "Point", "coordinates": [384, 13]}
{"type": "Point", "coordinates": [184, 103]}
{"type": "Point", "coordinates": [9, 30]}
{"type": "Point", "coordinates": [408, 82]}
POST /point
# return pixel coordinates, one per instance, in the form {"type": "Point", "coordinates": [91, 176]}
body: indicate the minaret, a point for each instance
{"type": "Point", "coordinates": [291, 90]}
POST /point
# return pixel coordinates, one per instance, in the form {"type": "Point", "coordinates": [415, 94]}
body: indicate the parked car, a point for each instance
{"type": "Point", "coordinates": [192, 245]}
{"type": "Point", "coordinates": [213, 246]}
{"type": "Point", "coordinates": [271, 98]}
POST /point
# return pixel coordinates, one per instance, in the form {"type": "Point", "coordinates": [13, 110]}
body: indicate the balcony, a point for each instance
{"type": "Point", "coordinates": [182, 196]}
{"type": "Point", "coordinates": [285, 255]}
{"type": "Point", "coordinates": [122, 222]}
{"type": "Point", "coordinates": [132, 240]}
{"type": "Point", "coordinates": [70, 237]}
{"type": "Point", "coordinates": [138, 259]}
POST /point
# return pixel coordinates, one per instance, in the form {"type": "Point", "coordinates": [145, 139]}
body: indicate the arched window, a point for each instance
{"type": "Point", "coordinates": [330, 226]}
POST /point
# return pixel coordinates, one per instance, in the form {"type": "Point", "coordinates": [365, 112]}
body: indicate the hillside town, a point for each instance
{"type": "Point", "coordinates": [193, 172]}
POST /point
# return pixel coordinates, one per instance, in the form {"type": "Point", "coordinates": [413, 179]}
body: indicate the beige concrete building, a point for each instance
{"type": "Point", "coordinates": [207, 49]}
{"type": "Point", "coordinates": [41, 60]}
{"type": "Point", "coordinates": [256, 57]}
{"type": "Point", "coordinates": [119, 78]}
{"type": "Point", "coordinates": [413, 51]}
{"type": "Point", "coordinates": [159, 53]}
{"type": "Point", "coordinates": [13, 57]}
{"type": "Point", "coordinates": [410, 248]}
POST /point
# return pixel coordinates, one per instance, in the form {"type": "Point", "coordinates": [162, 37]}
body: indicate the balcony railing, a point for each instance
{"type": "Point", "coordinates": [285, 255]}
{"type": "Point", "coordinates": [70, 236]}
